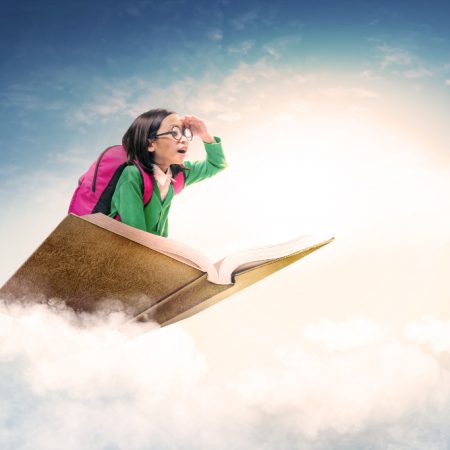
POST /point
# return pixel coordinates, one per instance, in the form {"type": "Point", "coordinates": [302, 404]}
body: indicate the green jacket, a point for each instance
{"type": "Point", "coordinates": [127, 197]}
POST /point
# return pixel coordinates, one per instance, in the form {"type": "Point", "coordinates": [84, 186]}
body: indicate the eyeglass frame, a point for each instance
{"type": "Point", "coordinates": [171, 132]}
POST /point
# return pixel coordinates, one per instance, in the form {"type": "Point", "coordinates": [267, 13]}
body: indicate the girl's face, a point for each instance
{"type": "Point", "coordinates": [166, 149]}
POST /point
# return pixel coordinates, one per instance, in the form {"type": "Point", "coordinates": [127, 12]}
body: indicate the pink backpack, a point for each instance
{"type": "Point", "coordinates": [96, 187]}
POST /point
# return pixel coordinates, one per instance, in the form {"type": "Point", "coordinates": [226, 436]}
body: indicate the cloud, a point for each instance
{"type": "Point", "coordinates": [248, 89]}
{"type": "Point", "coordinates": [245, 20]}
{"type": "Point", "coordinates": [76, 370]}
{"type": "Point", "coordinates": [22, 98]}
{"type": "Point", "coordinates": [101, 107]}
{"type": "Point", "coordinates": [347, 392]}
{"type": "Point", "coordinates": [341, 92]}
{"type": "Point", "coordinates": [370, 75]}
{"type": "Point", "coordinates": [210, 97]}
{"type": "Point", "coordinates": [230, 117]}
{"type": "Point", "coordinates": [216, 35]}
{"type": "Point", "coordinates": [447, 82]}
{"type": "Point", "coordinates": [394, 56]}
{"type": "Point", "coordinates": [244, 47]}
{"type": "Point", "coordinates": [418, 73]}
{"type": "Point", "coordinates": [432, 332]}
{"type": "Point", "coordinates": [344, 336]}
{"type": "Point", "coordinates": [276, 48]}
{"type": "Point", "coordinates": [75, 157]}
{"type": "Point", "coordinates": [82, 377]}
{"type": "Point", "coordinates": [244, 89]}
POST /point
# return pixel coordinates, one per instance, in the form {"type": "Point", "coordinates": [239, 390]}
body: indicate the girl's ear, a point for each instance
{"type": "Point", "coordinates": [150, 146]}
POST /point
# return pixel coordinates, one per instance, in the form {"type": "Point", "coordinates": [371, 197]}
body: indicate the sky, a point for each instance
{"type": "Point", "coordinates": [334, 119]}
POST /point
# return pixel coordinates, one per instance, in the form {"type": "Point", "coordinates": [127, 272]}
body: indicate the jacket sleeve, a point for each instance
{"type": "Point", "coordinates": [127, 199]}
{"type": "Point", "coordinates": [214, 163]}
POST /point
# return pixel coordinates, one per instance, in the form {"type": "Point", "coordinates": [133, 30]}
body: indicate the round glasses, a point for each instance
{"type": "Point", "coordinates": [177, 134]}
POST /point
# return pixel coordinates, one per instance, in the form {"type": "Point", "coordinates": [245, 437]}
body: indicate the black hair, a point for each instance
{"type": "Point", "coordinates": [135, 140]}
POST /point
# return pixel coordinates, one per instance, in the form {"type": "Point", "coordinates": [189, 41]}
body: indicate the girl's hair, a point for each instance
{"type": "Point", "coordinates": [135, 140]}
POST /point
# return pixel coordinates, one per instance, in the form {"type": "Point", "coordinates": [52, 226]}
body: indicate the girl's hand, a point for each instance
{"type": "Point", "coordinates": [198, 128]}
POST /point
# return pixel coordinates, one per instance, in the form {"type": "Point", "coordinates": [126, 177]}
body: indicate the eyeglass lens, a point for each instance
{"type": "Point", "coordinates": [177, 133]}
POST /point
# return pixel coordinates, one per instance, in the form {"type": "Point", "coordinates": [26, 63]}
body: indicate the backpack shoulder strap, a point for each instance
{"type": "Point", "coordinates": [147, 183]}
{"type": "Point", "coordinates": [178, 183]}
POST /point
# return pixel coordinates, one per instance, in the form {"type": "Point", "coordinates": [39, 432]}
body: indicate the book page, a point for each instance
{"type": "Point", "coordinates": [176, 250]}
{"type": "Point", "coordinates": [222, 271]}
{"type": "Point", "coordinates": [240, 261]}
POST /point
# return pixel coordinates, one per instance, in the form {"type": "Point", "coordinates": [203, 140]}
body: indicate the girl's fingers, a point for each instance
{"type": "Point", "coordinates": [194, 123]}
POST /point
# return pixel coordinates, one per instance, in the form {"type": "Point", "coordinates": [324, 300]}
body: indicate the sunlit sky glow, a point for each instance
{"type": "Point", "coordinates": [334, 119]}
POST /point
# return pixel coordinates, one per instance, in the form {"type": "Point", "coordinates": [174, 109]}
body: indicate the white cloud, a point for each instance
{"type": "Point", "coordinates": [215, 35]}
{"type": "Point", "coordinates": [244, 20]}
{"type": "Point", "coordinates": [394, 56]}
{"type": "Point", "coordinates": [447, 82]}
{"type": "Point", "coordinates": [342, 92]}
{"type": "Point", "coordinates": [244, 47]}
{"type": "Point", "coordinates": [346, 392]}
{"type": "Point", "coordinates": [101, 107]}
{"type": "Point", "coordinates": [397, 57]}
{"type": "Point", "coordinates": [417, 73]}
{"type": "Point", "coordinates": [212, 98]}
{"type": "Point", "coordinates": [279, 46]}
{"type": "Point", "coordinates": [28, 96]}
{"type": "Point", "coordinates": [431, 331]}
{"type": "Point", "coordinates": [76, 156]}
{"type": "Point", "coordinates": [82, 377]}
{"type": "Point", "coordinates": [230, 117]}
{"type": "Point", "coordinates": [370, 75]}
{"type": "Point", "coordinates": [243, 91]}
{"type": "Point", "coordinates": [346, 335]}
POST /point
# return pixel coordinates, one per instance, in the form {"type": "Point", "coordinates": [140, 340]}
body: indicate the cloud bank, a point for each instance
{"type": "Point", "coordinates": [83, 383]}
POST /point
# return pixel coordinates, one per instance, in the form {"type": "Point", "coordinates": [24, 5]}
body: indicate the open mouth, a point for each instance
{"type": "Point", "coordinates": [182, 151]}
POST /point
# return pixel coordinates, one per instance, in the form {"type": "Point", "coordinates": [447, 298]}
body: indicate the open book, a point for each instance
{"type": "Point", "coordinates": [221, 272]}
{"type": "Point", "coordinates": [95, 263]}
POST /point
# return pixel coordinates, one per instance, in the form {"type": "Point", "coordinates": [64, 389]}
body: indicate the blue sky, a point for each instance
{"type": "Point", "coordinates": [56, 58]}
{"type": "Point", "coordinates": [334, 112]}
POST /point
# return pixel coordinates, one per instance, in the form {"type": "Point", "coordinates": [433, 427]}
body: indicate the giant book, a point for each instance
{"type": "Point", "coordinates": [95, 263]}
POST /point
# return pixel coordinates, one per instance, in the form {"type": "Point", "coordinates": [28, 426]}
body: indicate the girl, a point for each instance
{"type": "Point", "coordinates": [159, 140]}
